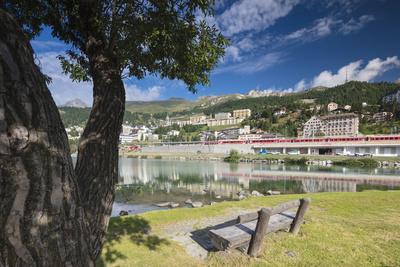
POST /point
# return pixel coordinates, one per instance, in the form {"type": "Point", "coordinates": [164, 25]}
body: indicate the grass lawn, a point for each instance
{"type": "Point", "coordinates": [342, 229]}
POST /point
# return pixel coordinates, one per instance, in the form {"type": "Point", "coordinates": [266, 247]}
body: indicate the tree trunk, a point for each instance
{"type": "Point", "coordinates": [97, 162]}
{"type": "Point", "coordinates": [42, 222]}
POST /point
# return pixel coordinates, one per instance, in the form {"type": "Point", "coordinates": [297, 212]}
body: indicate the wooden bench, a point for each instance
{"type": "Point", "coordinates": [251, 228]}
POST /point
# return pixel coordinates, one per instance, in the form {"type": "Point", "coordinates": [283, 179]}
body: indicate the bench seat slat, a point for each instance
{"type": "Point", "coordinates": [240, 234]}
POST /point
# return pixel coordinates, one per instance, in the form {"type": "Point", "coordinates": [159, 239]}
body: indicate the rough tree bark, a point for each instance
{"type": "Point", "coordinates": [97, 162]}
{"type": "Point", "coordinates": [42, 221]}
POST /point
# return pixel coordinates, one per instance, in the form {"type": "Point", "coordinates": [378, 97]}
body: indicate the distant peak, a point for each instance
{"type": "Point", "coordinates": [75, 103]}
{"type": "Point", "coordinates": [177, 99]}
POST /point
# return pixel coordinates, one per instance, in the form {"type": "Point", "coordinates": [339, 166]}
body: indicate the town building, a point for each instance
{"type": "Point", "coordinates": [222, 116]}
{"type": "Point", "coordinates": [245, 130]}
{"type": "Point", "coordinates": [347, 107]}
{"type": "Point", "coordinates": [125, 139]}
{"type": "Point", "coordinates": [332, 125]}
{"type": "Point", "coordinates": [280, 112]}
{"type": "Point", "coordinates": [173, 133]}
{"type": "Point", "coordinates": [126, 129]}
{"type": "Point", "coordinates": [221, 122]}
{"type": "Point", "coordinates": [382, 116]}
{"type": "Point", "coordinates": [198, 119]}
{"type": "Point", "coordinates": [241, 113]}
{"type": "Point", "coordinates": [332, 106]}
{"type": "Point", "coordinates": [209, 135]}
{"type": "Point", "coordinates": [181, 123]}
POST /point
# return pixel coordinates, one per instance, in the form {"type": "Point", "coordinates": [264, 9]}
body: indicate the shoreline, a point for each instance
{"type": "Point", "coordinates": [322, 160]}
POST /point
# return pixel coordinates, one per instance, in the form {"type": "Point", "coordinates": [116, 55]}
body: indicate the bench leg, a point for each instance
{"type": "Point", "coordinates": [259, 233]}
{"type": "Point", "coordinates": [299, 219]}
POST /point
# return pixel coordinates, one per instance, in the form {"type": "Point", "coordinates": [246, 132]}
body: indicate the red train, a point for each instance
{"type": "Point", "coordinates": [308, 140]}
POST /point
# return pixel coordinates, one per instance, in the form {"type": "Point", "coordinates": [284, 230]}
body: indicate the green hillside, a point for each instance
{"type": "Point", "coordinates": [352, 93]}
{"type": "Point", "coordinates": [299, 107]}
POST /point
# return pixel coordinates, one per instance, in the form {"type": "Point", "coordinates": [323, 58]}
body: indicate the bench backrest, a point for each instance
{"type": "Point", "coordinates": [265, 214]}
{"type": "Point", "coordinates": [244, 218]}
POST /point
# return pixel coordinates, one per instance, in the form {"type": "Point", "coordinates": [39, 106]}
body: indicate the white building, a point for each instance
{"type": "Point", "coordinates": [332, 106]}
{"type": "Point", "coordinates": [332, 125]}
{"type": "Point", "coordinates": [222, 116]}
{"type": "Point", "coordinates": [124, 139]}
{"type": "Point", "coordinates": [382, 116]}
{"type": "Point", "coordinates": [221, 122]}
{"type": "Point", "coordinates": [173, 133]}
{"type": "Point", "coordinates": [280, 112]}
{"type": "Point", "coordinates": [245, 130]}
{"type": "Point", "coordinates": [241, 113]}
{"type": "Point", "coordinates": [198, 119]}
{"type": "Point", "coordinates": [126, 129]}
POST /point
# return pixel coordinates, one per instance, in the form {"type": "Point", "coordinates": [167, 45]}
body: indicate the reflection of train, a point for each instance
{"type": "Point", "coordinates": [308, 140]}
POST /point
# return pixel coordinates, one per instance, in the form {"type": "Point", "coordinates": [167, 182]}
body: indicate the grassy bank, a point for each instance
{"type": "Point", "coordinates": [342, 229]}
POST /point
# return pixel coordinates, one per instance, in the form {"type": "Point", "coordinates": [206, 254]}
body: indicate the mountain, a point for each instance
{"type": "Point", "coordinates": [159, 106]}
{"type": "Point", "coordinates": [75, 103]}
{"type": "Point", "coordinates": [351, 93]}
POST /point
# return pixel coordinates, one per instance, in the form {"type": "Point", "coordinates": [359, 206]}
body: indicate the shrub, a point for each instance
{"type": "Point", "coordinates": [300, 161]}
{"type": "Point", "coordinates": [362, 163]}
{"type": "Point", "coordinates": [234, 156]}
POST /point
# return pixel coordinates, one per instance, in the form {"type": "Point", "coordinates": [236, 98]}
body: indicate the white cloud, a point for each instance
{"type": "Point", "coordinates": [355, 71]}
{"type": "Point", "coordinates": [232, 53]}
{"type": "Point", "coordinates": [346, 6]}
{"type": "Point", "coordinates": [61, 86]}
{"type": "Point", "coordinates": [64, 89]}
{"type": "Point", "coordinates": [354, 25]}
{"type": "Point", "coordinates": [301, 85]}
{"type": "Point", "coordinates": [253, 15]}
{"type": "Point", "coordinates": [324, 27]}
{"type": "Point", "coordinates": [320, 28]}
{"type": "Point", "coordinates": [134, 93]}
{"type": "Point", "coordinates": [252, 65]}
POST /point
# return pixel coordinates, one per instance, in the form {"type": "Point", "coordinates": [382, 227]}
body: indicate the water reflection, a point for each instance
{"type": "Point", "coordinates": [152, 180]}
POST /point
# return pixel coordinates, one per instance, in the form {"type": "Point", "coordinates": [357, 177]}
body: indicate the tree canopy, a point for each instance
{"type": "Point", "coordinates": [161, 37]}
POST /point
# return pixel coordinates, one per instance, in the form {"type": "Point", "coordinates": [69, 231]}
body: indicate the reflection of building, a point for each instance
{"type": "Point", "coordinates": [332, 125]}
{"type": "Point", "coordinates": [332, 185]}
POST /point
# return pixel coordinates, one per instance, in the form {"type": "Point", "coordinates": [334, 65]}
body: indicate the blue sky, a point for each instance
{"type": "Point", "coordinates": [275, 45]}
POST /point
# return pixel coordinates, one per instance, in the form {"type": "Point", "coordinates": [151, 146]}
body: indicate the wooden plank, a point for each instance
{"type": "Point", "coordinates": [285, 206]}
{"type": "Point", "coordinates": [275, 210]}
{"type": "Point", "coordinates": [240, 234]}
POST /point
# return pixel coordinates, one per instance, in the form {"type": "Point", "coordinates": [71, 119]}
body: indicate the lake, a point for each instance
{"type": "Point", "coordinates": [144, 182]}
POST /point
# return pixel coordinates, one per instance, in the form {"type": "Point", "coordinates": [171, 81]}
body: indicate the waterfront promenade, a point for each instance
{"type": "Point", "coordinates": [372, 145]}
